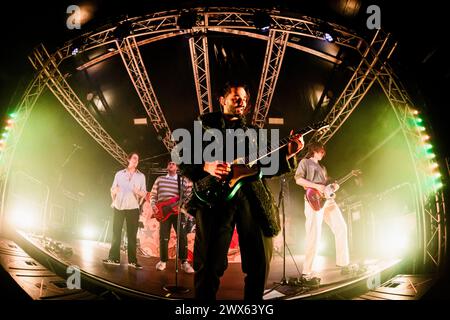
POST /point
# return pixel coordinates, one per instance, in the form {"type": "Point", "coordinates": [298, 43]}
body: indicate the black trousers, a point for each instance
{"type": "Point", "coordinates": [214, 231]}
{"type": "Point", "coordinates": [132, 220]}
{"type": "Point", "coordinates": [164, 235]}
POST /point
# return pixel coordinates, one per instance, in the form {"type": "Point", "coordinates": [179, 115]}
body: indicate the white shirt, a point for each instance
{"type": "Point", "coordinates": [127, 182]}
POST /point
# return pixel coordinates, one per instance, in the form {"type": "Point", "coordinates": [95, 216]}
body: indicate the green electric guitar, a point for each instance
{"type": "Point", "coordinates": [210, 189]}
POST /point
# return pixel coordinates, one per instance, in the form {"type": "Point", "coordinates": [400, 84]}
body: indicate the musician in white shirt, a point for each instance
{"type": "Point", "coordinates": [126, 192]}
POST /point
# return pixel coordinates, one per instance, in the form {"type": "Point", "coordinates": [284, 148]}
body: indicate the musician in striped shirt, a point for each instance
{"type": "Point", "coordinates": [166, 188]}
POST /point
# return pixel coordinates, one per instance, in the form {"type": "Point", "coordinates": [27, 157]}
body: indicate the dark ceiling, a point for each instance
{"type": "Point", "coordinates": [419, 60]}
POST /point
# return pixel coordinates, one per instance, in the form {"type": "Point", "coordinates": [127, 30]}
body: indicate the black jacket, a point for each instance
{"type": "Point", "coordinates": [261, 199]}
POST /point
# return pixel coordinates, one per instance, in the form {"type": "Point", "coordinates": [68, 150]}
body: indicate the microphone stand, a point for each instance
{"type": "Point", "coordinates": [176, 288]}
{"type": "Point", "coordinates": [283, 281]}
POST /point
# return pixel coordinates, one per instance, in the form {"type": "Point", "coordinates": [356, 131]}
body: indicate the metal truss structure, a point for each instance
{"type": "Point", "coordinates": [432, 223]}
{"type": "Point", "coordinates": [276, 47]}
{"type": "Point", "coordinates": [58, 85]}
{"type": "Point", "coordinates": [359, 84]}
{"type": "Point", "coordinates": [198, 46]}
{"type": "Point", "coordinates": [241, 22]}
{"type": "Point", "coordinates": [137, 71]}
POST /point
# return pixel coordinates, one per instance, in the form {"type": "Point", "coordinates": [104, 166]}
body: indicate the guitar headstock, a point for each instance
{"type": "Point", "coordinates": [356, 172]}
{"type": "Point", "coordinates": [319, 126]}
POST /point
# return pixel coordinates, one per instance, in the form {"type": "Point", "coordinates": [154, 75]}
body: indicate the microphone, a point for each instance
{"type": "Point", "coordinates": [77, 146]}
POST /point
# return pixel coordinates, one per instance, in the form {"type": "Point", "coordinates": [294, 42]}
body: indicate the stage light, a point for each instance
{"type": "Point", "coordinates": [421, 128]}
{"type": "Point", "coordinates": [434, 165]}
{"type": "Point", "coordinates": [328, 32]}
{"type": "Point", "coordinates": [5, 135]}
{"type": "Point", "coordinates": [414, 112]}
{"type": "Point", "coordinates": [262, 21]}
{"type": "Point", "coordinates": [398, 242]}
{"type": "Point", "coordinates": [437, 175]}
{"type": "Point", "coordinates": [428, 146]}
{"type": "Point", "coordinates": [328, 37]}
{"type": "Point", "coordinates": [23, 216]}
{"type": "Point", "coordinates": [425, 138]}
{"type": "Point", "coordinates": [438, 185]}
{"type": "Point", "coordinates": [431, 155]}
{"type": "Point", "coordinates": [88, 232]}
{"type": "Point", "coordinates": [76, 46]}
{"type": "Point", "coordinates": [75, 51]}
{"type": "Point", "coordinates": [393, 239]}
{"type": "Point", "coordinates": [13, 115]}
{"type": "Point", "coordinates": [419, 120]}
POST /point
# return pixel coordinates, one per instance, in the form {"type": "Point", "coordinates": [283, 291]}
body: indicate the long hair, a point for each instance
{"type": "Point", "coordinates": [314, 147]}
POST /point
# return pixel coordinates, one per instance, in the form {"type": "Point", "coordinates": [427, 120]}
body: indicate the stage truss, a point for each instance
{"type": "Point", "coordinates": [127, 36]}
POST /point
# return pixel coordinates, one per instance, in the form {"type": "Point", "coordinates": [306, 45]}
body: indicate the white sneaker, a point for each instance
{"type": "Point", "coordinates": [186, 267]}
{"type": "Point", "coordinates": [160, 266]}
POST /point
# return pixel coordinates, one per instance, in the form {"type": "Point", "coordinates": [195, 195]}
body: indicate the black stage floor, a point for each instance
{"type": "Point", "coordinates": [149, 283]}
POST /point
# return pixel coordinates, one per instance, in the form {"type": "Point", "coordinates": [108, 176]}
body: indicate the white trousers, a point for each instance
{"type": "Point", "coordinates": [333, 217]}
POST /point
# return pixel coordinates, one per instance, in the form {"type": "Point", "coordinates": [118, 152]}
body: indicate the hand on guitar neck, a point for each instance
{"type": "Point", "coordinates": [217, 169]}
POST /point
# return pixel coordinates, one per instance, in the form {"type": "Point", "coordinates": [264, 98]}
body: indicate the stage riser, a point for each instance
{"type": "Point", "coordinates": [28, 279]}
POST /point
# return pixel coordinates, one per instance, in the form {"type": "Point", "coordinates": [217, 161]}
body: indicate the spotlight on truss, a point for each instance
{"type": "Point", "coordinates": [262, 21]}
{"type": "Point", "coordinates": [328, 37]}
{"type": "Point", "coordinates": [328, 33]}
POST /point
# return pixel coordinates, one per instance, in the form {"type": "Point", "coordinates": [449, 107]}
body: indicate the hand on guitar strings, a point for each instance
{"type": "Point", "coordinates": [217, 169]}
{"type": "Point", "coordinates": [295, 145]}
{"type": "Point", "coordinates": [320, 188]}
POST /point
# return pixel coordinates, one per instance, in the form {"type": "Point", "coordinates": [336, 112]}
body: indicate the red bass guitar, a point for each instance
{"type": "Point", "coordinates": [166, 209]}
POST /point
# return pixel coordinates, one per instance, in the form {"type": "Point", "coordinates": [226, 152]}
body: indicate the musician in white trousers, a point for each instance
{"type": "Point", "coordinates": [311, 174]}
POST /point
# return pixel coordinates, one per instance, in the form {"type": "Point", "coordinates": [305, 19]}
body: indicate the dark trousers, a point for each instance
{"type": "Point", "coordinates": [132, 220]}
{"type": "Point", "coordinates": [164, 235]}
{"type": "Point", "coordinates": [214, 231]}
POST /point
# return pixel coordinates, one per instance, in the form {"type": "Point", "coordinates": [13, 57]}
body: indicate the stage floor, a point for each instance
{"type": "Point", "coordinates": [149, 282]}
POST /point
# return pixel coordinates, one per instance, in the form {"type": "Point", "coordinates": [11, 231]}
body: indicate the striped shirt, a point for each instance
{"type": "Point", "coordinates": [166, 187]}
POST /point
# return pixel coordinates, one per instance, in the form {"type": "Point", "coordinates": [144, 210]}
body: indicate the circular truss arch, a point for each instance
{"type": "Point", "coordinates": [135, 32]}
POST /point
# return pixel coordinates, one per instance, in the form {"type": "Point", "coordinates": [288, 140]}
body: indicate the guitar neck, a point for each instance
{"type": "Point", "coordinates": [345, 178]}
{"type": "Point", "coordinates": [253, 158]}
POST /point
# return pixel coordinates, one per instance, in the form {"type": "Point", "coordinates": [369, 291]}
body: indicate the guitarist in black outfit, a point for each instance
{"type": "Point", "coordinates": [252, 209]}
